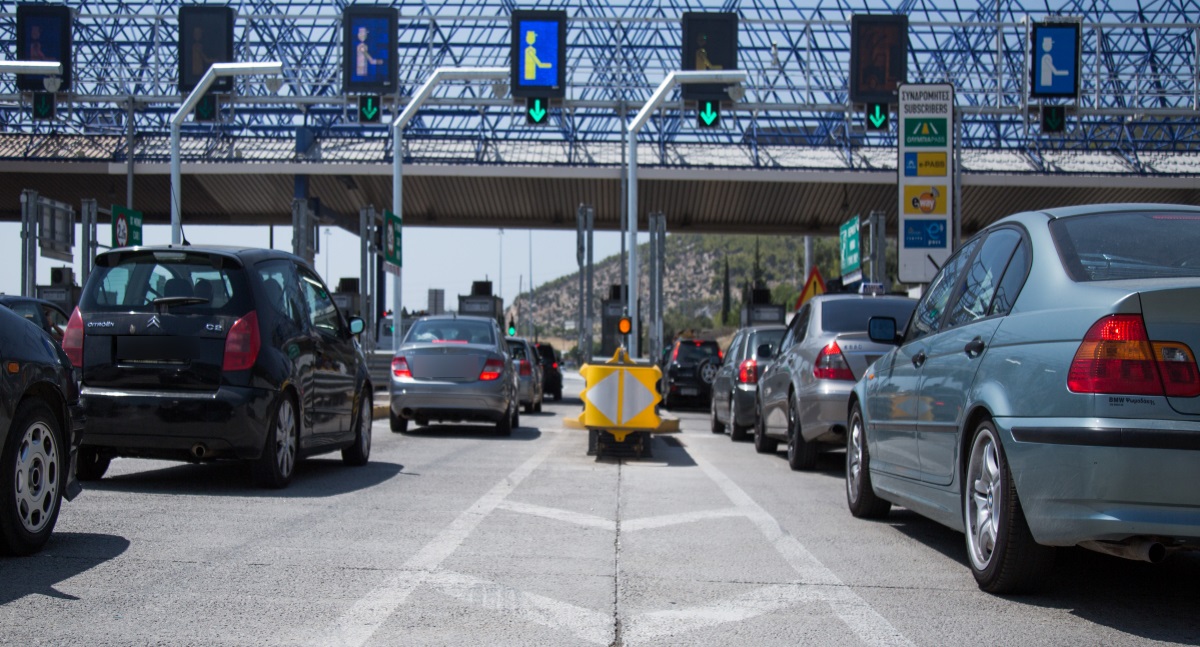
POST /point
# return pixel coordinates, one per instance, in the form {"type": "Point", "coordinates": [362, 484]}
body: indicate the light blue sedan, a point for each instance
{"type": "Point", "coordinates": [1044, 393]}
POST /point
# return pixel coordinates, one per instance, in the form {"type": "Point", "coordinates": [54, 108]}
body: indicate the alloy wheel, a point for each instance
{"type": "Point", "coordinates": [37, 477]}
{"type": "Point", "coordinates": [984, 481]}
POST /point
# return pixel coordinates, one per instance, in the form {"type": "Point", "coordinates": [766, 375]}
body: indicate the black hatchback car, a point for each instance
{"type": "Point", "coordinates": [200, 353]}
{"type": "Point", "coordinates": [690, 370]}
{"type": "Point", "coordinates": [552, 378]}
{"type": "Point", "coordinates": [41, 423]}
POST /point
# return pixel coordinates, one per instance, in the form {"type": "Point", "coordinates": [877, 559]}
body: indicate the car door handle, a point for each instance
{"type": "Point", "coordinates": [974, 348]}
{"type": "Point", "coordinates": [918, 359]}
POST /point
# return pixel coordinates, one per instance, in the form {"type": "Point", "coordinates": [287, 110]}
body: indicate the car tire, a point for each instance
{"type": "Point", "coordinates": [762, 444]}
{"type": "Point", "coordinates": [1001, 551]}
{"type": "Point", "coordinates": [802, 454]}
{"type": "Point", "coordinates": [707, 371]}
{"type": "Point", "coordinates": [399, 424]}
{"type": "Point", "coordinates": [737, 433]}
{"type": "Point", "coordinates": [281, 451]}
{"type": "Point", "coordinates": [90, 464]}
{"type": "Point", "coordinates": [529, 408]}
{"type": "Point", "coordinates": [860, 495]}
{"type": "Point", "coordinates": [359, 453]}
{"type": "Point", "coordinates": [34, 473]}
{"type": "Point", "coordinates": [507, 422]}
{"type": "Point", "coordinates": [716, 425]}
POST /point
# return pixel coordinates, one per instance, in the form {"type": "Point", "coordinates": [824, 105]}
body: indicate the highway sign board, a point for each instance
{"type": "Point", "coordinates": [878, 56]}
{"type": "Point", "coordinates": [851, 251]}
{"type": "Point", "coordinates": [925, 183]}
{"type": "Point", "coordinates": [710, 42]}
{"type": "Point", "coordinates": [1055, 62]}
{"type": "Point", "coordinates": [370, 58]}
{"type": "Point", "coordinates": [539, 54]}
{"type": "Point", "coordinates": [126, 227]}
{"type": "Point", "coordinates": [392, 230]}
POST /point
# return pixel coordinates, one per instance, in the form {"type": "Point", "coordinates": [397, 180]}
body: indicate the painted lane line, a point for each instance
{"type": "Point", "coordinates": [356, 626]}
{"type": "Point", "coordinates": [870, 627]}
{"type": "Point", "coordinates": [657, 624]}
{"type": "Point", "coordinates": [592, 521]}
{"type": "Point", "coordinates": [662, 521]}
{"type": "Point", "coordinates": [557, 514]}
{"type": "Point", "coordinates": [585, 624]}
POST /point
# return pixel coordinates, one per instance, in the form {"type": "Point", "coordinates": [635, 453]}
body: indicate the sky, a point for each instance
{"type": "Point", "coordinates": [444, 258]}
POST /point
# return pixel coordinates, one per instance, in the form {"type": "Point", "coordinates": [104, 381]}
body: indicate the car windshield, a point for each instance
{"type": "Point", "coordinates": [1130, 245]}
{"type": "Point", "coordinates": [694, 351]}
{"type": "Point", "coordinates": [186, 282]}
{"type": "Point", "coordinates": [851, 315]}
{"type": "Point", "coordinates": [517, 350]}
{"type": "Point", "coordinates": [771, 337]}
{"type": "Point", "coordinates": [450, 331]}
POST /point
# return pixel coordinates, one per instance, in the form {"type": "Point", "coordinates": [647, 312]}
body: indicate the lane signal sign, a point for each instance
{"type": "Point", "coordinates": [709, 115]}
{"type": "Point", "coordinates": [536, 110]}
{"type": "Point", "coordinates": [43, 105]}
{"type": "Point", "coordinates": [877, 116]}
{"type": "Point", "coordinates": [369, 109]}
{"type": "Point", "coordinates": [1054, 119]}
{"type": "Point", "coordinates": [206, 108]}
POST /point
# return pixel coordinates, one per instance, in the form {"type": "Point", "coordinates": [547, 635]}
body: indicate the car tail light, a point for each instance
{"type": "Point", "coordinates": [72, 341]}
{"type": "Point", "coordinates": [1117, 356]}
{"type": "Point", "coordinates": [400, 368]}
{"type": "Point", "coordinates": [491, 370]}
{"type": "Point", "coordinates": [748, 372]}
{"type": "Point", "coordinates": [675, 353]}
{"type": "Point", "coordinates": [554, 365]}
{"type": "Point", "coordinates": [525, 368]}
{"type": "Point", "coordinates": [242, 344]}
{"type": "Point", "coordinates": [832, 365]}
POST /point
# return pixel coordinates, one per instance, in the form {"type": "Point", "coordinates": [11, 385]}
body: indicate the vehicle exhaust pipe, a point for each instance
{"type": "Point", "coordinates": [1142, 550]}
{"type": "Point", "coordinates": [199, 451]}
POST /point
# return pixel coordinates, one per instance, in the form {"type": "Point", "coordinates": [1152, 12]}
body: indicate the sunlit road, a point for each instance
{"type": "Point", "coordinates": [453, 536]}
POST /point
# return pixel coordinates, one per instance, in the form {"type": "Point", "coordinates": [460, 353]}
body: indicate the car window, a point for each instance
{"type": "Point", "coordinates": [927, 318]}
{"type": "Point", "coordinates": [322, 312]}
{"type": "Point", "coordinates": [281, 289]}
{"type": "Point", "coordinates": [772, 337]}
{"type": "Point", "coordinates": [56, 320]}
{"type": "Point", "coordinates": [798, 328]}
{"type": "Point", "coordinates": [1129, 245]}
{"type": "Point", "coordinates": [27, 309]}
{"type": "Point", "coordinates": [517, 350]}
{"type": "Point", "coordinates": [1014, 279]}
{"type": "Point", "coordinates": [851, 315]}
{"type": "Point", "coordinates": [735, 350]}
{"type": "Point", "coordinates": [694, 351]}
{"type": "Point", "coordinates": [982, 277]}
{"type": "Point", "coordinates": [134, 281]}
{"type": "Point", "coordinates": [451, 331]}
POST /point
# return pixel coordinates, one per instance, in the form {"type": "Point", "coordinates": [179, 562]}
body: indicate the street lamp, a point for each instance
{"type": "Point", "coordinates": [214, 72]}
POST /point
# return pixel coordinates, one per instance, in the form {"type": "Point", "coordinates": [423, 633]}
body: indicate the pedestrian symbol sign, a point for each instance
{"type": "Point", "coordinates": [1055, 60]}
{"type": "Point", "coordinates": [539, 54]}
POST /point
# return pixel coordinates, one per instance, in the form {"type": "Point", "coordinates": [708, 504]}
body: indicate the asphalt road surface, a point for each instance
{"type": "Point", "coordinates": [453, 536]}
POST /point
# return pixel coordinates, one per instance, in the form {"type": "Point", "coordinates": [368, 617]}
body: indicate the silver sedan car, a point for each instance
{"type": "Point", "coordinates": [529, 373]}
{"type": "Point", "coordinates": [735, 387]}
{"type": "Point", "coordinates": [451, 368]}
{"type": "Point", "coordinates": [802, 394]}
{"type": "Point", "coordinates": [1045, 393]}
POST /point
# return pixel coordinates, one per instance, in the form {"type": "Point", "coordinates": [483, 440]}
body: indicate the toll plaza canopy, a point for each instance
{"type": "Point", "coordinates": [1097, 102]}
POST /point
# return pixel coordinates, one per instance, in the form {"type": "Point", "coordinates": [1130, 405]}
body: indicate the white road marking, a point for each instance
{"type": "Point", "coordinates": [557, 514]}
{"type": "Point", "coordinates": [767, 599]}
{"type": "Point", "coordinates": [662, 521]}
{"type": "Point", "coordinates": [354, 627]}
{"type": "Point", "coordinates": [592, 626]}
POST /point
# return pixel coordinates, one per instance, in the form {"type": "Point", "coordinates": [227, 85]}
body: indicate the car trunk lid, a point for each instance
{"type": "Point", "coordinates": [158, 351]}
{"type": "Point", "coordinates": [448, 362]}
{"type": "Point", "coordinates": [1172, 314]}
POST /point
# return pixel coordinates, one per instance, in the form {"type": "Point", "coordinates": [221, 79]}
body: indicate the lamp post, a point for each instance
{"type": "Point", "coordinates": [215, 71]}
{"type": "Point", "coordinates": [733, 77]}
{"type": "Point", "coordinates": [496, 74]}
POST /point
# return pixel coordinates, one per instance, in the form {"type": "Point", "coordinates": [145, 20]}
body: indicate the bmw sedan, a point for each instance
{"type": "Point", "coordinates": [451, 368]}
{"type": "Point", "coordinates": [1045, 393]}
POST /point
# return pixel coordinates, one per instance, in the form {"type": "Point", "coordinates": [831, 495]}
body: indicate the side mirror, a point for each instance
{"type": "Point", "coordinates": [765, 351]}
{"type": "Point", "coordinates": [882, 330]}
{"type": "Point", "coordinates": [357, 325]}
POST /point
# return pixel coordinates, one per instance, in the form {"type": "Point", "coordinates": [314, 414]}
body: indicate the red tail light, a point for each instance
{"type": "Point", "coordinates": [72, 341]}
{"type": "Point", "coordinates": [1117, 356]}
{"type": "Point", "coordinates": [832, 365]}
{"type": "Point", "coordinates": [242, 344]}
{"type": "Point", "coordinates": [675, 353]}
{"type": "Point", "coordinates": [748, 372]}
{"type": "Point", "coordinates": [491, 370]}
{"type": "Point", "coordinates": [554, 365]}
{"type": "Point", "coordinates": [526, 369]}
{"type": "Point", "coordinates": [400, 368]}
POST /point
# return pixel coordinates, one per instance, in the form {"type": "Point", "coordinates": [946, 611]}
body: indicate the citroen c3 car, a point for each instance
{"type": "Point", "coordinates": [451, 369]}
{"type": "Point", "coordinates": [207, 352]}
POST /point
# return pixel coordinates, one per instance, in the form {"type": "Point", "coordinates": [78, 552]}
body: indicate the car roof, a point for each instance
{"type": "Point", "coordinates": [247, 255]}
{"type": "Point", "coordinates": [452, 317]}
{"type": "Point", "coordinates": [1092, 209]}
{"type": "Point", "coordinates": [16, 298]}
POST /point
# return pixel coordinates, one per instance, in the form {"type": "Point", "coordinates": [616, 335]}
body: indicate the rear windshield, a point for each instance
{"type": "Point", "coordinates": [851, 315]}
{"type": "Point", "coordinates": [517, 350]}
{"type": "Point", "coordinates": [450, 331]}
{"type": "Point", "coordinates": [200, 283]}
{"type": "Point", "coordinates": [1130, 245]}
{"type": "Point", "coordinates": [761, 337]}
{"type": "Point", "coordinates": [547, 352]}
{"type": "Point", "coordinates": [694, 351]}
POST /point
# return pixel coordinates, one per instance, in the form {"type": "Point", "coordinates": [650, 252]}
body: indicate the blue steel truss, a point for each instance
{"type": "Point", "coordinates": [1140, 74]}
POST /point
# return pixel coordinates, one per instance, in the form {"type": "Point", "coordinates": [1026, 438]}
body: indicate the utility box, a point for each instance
{"type": "Point", "coordinates": [611, 311]}
{"type": "Point", "coordinates": [347, 297]}
{"type": "Point", "coordinates": [437, 302]}
{"type": "Point", "coordinates": [481, 303]}
{"type": "Point", "coordinates": [760, 310]}
{"type": "Point", "coordinates": [62, 290]}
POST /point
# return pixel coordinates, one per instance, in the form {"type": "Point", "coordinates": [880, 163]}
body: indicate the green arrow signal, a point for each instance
{"type": "Point", "coordinates": [370, 110]}
{"type": "Point", "coordinates": [709, 115]}
{"type": "Point", "coordinates": [878, 119]}
{"type": "Point", "coordinates": [43, 106]}
{"type": "Point", "coordinates": [537, 113]}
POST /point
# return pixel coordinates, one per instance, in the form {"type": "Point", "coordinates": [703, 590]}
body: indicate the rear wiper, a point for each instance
{"type": "Point", "coordinates": [162, 303]}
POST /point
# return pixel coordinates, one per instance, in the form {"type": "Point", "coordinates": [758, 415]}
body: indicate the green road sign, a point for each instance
{"type": "Point", "coordinates": [709, 115]}
{"type": "Point", "coordinates": [43, 105]}
{"type": "Point", "coordinates": [392, 230]}
{"type": "Point", "coordinates": [126, 227]}
{"type": "Point", "coordinates": [536, 110]}
{"type": "Point", "coordinates": [848, 241]}
{"type": "Point", "coordinates": [1054, 119]}
{"type": "Point", "coordinates": [369, 109]}
{"type": "Point", "coordinates": [877, 116]}
{"type": "Point", "coordinates": [925, 132]}
{"type": "Point", "coordinates": [206, 108]}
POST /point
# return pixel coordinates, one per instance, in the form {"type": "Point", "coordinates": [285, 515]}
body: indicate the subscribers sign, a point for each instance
{"type": "Point", "coordinates": [926, 187]}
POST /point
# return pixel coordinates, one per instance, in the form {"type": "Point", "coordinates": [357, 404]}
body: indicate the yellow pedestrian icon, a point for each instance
{"type": "Point", "coordinates": [532, 62]}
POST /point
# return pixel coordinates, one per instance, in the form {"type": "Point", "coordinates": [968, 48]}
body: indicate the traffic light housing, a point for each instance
{"type": "Point", "coordinates": [369, 108]}
{"type": "Point", "coordinates": [512, 328]}
{"type": "Point", "coordinates": [1054, 119]}
{"type": "Point", "coordinates": [625, 325]}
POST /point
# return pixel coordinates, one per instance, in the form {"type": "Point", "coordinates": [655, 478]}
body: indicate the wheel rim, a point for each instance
{"type": "Point", "coordinates": [983, 499]}
{"type": "Point", "coordinates": [285, 438]}
{"type": "Point", "coordinates": [791, 446]}
{"type": "Point", "coordinates": [37, 478]}
{"type": "Point", "coordinates": [365, 421]}
{"type": "Point", "coordinates": [854, 463]}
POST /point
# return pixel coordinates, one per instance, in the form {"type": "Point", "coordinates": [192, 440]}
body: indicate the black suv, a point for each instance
{"type": "Point", "coordinates": [691, 366]}
{"type": "Point", "coordinates": [205, 352]}
{"type": "Point", "coordinates": [551, 373]}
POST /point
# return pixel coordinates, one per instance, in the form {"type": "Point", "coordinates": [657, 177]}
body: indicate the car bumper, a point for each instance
{"type": "Point", "coordinates": [230, 422]}
{"type": "Point", "coordinates": [823, 411]}
{"type": "Point", "coordinates": [1112, 479]}
{"type": "Point", "coordinates": [552, 383]}
{"type": "Point", "coordinates": [689, 389]}
{"type": "Point", "coordinates": [525, 391]}
{"type": "Point", "coordinates": [447, 401]}
{"type": "Point", "coordinates": [745, 407]}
